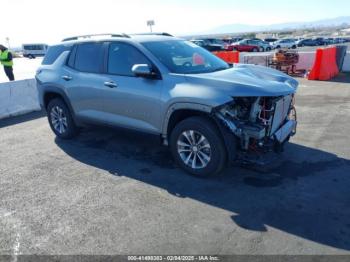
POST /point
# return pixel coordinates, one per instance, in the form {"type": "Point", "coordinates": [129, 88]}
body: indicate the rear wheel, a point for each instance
{"type": "Point", "coordinates": [197, 146]}
{"type": "Point", "coordinates": [61, 120]}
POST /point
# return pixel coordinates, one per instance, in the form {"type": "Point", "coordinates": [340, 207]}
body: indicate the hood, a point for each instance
{"type": "Point", "coordinates": [246, 80]}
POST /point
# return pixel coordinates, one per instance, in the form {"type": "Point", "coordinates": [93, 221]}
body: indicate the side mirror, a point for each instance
{"type": "Point", "coordinates": [143, 70]}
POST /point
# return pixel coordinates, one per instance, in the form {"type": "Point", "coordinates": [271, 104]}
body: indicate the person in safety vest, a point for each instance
{"type": "Point", "coordinates": [7, 62]}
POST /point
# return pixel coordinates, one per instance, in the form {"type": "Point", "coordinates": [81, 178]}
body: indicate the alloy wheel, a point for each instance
{"type": "Point", "coordinates": [194, 149]}
{"type": "Point", "coordinates": [58, 119]}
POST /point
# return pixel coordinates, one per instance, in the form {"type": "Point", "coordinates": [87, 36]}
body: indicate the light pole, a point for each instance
{"type": "Point", "coordinates": [150, 23]}
{"type": "Point", "coordinates": [8, 42]}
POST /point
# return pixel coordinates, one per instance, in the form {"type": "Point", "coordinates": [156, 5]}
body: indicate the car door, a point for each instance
{"type": "Point", "coordinates": [251, 45]}
{"type": "Point", "coordinates": [82, 78]}
{"type": "Point", "coordinates": [130, 101]}
{"type": "Point", "coordinates": [283, 43]}
{"type": "Point", "coordinates": [246, 46]}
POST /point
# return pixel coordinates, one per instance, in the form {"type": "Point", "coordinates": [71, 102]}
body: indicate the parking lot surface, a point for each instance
{"type": "Point", "coordinates": [113, 191]}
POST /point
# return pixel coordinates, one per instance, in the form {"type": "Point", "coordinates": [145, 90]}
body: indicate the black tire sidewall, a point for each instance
{"type": "Point", "coordinates": [213, 135]}
{"type": "Point", "coordinates": [72, 129]}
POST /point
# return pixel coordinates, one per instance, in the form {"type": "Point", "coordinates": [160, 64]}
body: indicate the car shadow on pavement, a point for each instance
{"type": "Point", "coordinates": [307, 195]}
{"type": "Point", "coordinates": [21, 119]}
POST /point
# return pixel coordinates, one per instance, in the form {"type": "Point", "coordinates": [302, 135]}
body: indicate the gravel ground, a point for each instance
{"type": "Point", "coordinates": [114, 191]}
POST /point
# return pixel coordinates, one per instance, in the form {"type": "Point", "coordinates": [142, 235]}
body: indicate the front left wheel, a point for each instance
{"type": "Point", "coordinates": [61, 120]}
{"type": "Point", "coordinates": [197, 146]}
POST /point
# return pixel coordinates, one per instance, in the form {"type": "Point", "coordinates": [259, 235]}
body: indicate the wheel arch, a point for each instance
{"type": "Point", "coordinates": [180, 111]}
{"type": "Point", "coordinates": [52, 92]}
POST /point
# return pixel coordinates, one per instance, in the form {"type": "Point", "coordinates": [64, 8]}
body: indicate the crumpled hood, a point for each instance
{"type": "Point", "coordinates": [247, 80]}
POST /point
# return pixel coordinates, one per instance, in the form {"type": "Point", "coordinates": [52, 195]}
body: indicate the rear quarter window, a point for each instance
{"type": "Point", "coordinates": [53, 53]}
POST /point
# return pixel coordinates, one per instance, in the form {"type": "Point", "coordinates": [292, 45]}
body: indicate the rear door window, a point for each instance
{"type": "Point", "coordinates": [89, 57]}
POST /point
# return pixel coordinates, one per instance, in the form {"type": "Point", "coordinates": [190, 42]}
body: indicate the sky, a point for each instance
{"type": "Point", "coordinates": [49, 21]}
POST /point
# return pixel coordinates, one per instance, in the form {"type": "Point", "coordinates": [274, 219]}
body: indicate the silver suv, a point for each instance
{"type": "Point", "coordinates": [210, 113]}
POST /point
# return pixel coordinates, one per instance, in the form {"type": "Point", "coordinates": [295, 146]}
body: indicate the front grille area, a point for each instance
{"type": "Point", "coordinates": [281, 110]}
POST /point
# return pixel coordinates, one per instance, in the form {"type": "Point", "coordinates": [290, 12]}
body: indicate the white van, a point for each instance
{"type": "Point", "coordinates": [34, 50]}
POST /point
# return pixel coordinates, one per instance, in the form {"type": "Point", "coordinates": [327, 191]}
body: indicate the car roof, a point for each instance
{"type": "Point", "coordinates": [127, 38]}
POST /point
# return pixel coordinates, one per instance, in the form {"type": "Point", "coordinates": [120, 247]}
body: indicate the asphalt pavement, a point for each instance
{"type": "Point", "coordinates": [112, 191]}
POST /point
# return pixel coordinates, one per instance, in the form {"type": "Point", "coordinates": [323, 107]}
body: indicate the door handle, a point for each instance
{"type": "Point", "coordinates": [110, 84]}
{"type": "Point", "coordinates": [67, 78]}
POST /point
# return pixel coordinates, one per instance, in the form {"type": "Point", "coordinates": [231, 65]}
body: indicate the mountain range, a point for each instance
{"type": "Point", "coordinates": [246, 28]}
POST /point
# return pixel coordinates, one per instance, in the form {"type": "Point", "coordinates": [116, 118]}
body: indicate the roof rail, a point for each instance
{"type": "Point", "coordinates": [93, 35]}
{"type": "Point", "coordinates": [154, 33]}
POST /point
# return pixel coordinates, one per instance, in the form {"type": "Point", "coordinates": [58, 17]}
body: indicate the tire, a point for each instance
{"type": "Point", "coordinates": [61, 120]}
{"type": "Point", "coordinates": [201, 162]}
{"type": "Point", "coordinates": [278, 47]}
{"type": "Point", "coordinates": [294, 47]}
{"type": "Point", "coordinates": [255, 49]}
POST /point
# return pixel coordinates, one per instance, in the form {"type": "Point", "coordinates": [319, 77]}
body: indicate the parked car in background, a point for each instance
{"type": "Point", "coordinates": [307, 42]}
{"type": "Point", "coordinates": [263, 46]}
{"type": "Point", "coordinates": [339, 40]}
{"type": "Point", "coordinates": [209, 46]}
{"type": "Point", "coordinates": [330, 41]}
{"type": "Point", "coordinates": [246, 45]}
{"type": "Point", "coordinates": [34, 50]}
{"type": "Point", "coordinates": [284, 43]}
{"type": "Point", "coordinates": [214, 41]}
{"type": "Point", "coordinates": [321, 41]}
{"type": "Point", "coordinates": [208, 113]}
{"type": "Point", "coordinates": [226, 41]}
{"type": "Point", "coordinates": [236, 39]}
{"type": "Point", "coordinates": [270, 40]}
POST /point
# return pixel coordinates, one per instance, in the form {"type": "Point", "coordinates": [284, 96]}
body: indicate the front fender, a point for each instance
{"type": "Point", "coordinates": [181, 106]}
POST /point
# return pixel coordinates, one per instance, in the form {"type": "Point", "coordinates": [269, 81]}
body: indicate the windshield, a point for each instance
{"type": "Point", "coordinates": [184, 57]}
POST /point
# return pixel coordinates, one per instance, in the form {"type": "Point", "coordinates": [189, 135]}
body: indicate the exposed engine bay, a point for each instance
{"type": "Point", "coordinates": [260, 123]}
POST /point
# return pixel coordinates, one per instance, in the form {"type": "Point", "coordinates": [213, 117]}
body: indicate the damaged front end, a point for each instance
{"type": "Point", "coordinates": [259, 124]}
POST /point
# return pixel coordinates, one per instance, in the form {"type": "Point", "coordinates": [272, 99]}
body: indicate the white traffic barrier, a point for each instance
{"type": "Point", "coordinates": [18, 97]}
{"type": "Point", "coordinates": [255, 58]}
{"type": "Point", "coordinates": [306, 59]}
{"type": "Point", "coordinates": [346, 65]}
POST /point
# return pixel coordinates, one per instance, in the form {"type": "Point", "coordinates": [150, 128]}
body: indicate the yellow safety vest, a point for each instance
{"type": "Point", "coordinates": [4, 57]}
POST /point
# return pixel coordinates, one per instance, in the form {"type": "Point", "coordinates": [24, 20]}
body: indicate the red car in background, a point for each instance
{"type": "Point", "coordinates": [244, 46]}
